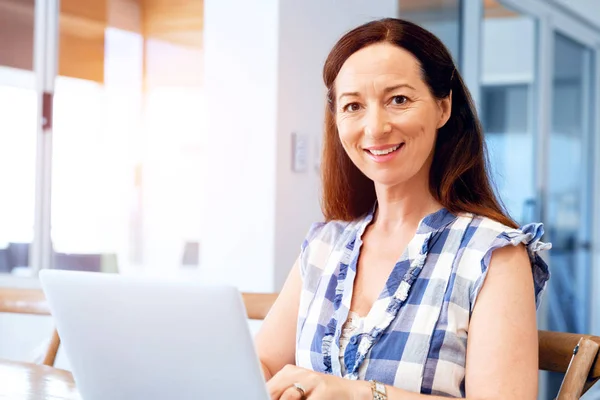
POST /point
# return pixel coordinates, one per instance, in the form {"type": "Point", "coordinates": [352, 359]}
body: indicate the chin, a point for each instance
{"type": "Point", "coordinates": [386, 179]}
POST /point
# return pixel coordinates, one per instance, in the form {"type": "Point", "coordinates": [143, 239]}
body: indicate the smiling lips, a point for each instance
{"type": "Point", "coordinates": [384, 153]}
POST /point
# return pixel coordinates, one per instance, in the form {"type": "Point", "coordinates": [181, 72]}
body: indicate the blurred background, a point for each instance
{"type": "Point", "coordinates": [182, 137]}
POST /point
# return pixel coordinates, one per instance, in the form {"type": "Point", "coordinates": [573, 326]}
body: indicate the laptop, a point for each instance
{"type": "Point", "coordinates": [141, 338]}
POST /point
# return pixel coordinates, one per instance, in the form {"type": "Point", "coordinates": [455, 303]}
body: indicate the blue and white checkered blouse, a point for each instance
{"type": "Point", "coordinates": [415, 336]}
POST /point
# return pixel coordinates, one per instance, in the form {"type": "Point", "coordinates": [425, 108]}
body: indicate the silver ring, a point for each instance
{"type": "Point", "coordinates": [300, 390]}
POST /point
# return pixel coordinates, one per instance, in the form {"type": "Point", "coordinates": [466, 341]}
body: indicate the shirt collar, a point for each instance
{"type": "Point", "coordinates": [430, 223]}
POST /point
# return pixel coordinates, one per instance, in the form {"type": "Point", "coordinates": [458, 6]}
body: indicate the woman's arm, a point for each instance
{"type": "Point", "coordinates": [502, 349]}
{"type": "Point", "coordinates": [276, 339]}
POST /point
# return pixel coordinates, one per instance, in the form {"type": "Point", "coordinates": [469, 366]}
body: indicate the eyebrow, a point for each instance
{"type": "Point", "coordinates": [392, 88]}
{"type": "Point", "coordinates": [386, 90]}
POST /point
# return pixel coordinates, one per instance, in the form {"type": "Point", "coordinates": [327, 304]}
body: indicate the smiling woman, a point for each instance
{"type": "Point", "coordinates": [423, 93]}
{"type": "Point", "coordinates": [418, 277]}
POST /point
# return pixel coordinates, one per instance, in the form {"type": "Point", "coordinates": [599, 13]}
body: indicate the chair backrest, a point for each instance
{"type": "Point", "coordinates": [258, 304]}
{"type": "Point", "coordinates": [574, 355]}
{"type": "Point", "coordinates": [32, 302]}
{"type": "Point", "coordinates": [23, 301]}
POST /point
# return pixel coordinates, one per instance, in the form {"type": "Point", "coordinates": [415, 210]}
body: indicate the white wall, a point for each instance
{"type": "Point", "coordinates": [240, 40]}
{"type": "Point", "coordinates": [263, 66]}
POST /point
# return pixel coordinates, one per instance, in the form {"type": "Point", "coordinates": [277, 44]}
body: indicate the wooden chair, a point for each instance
{"type": "Point", "coordinates": [574, 355]}
{"type": "Point", "coordinates": [32, 302]}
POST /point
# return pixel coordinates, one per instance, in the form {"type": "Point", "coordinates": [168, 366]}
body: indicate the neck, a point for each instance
{"type": "Point", "coordinates": [404, 205]}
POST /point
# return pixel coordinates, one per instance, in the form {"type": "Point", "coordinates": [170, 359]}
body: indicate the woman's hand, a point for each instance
{"type": "Point", "coordinates": [316, 386]}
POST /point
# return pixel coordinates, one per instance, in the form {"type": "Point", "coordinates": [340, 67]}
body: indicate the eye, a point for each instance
{"type": "Point", "coordinates": [399, 100]}
{"type": "Point", "coordinates": [351, 107]}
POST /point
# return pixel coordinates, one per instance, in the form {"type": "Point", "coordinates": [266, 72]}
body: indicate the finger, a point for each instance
{"type": "Point", "coordinates": [283, 380]}
{"type": "Point", "coordinates": [278, 384]}
{"type": "Point", "coordinates": [291, 394]}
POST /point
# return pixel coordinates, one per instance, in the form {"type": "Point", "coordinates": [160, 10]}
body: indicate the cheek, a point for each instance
{"type": "Point", "coordinates": [415, 124]}
{"type": "Point", "coordinates": [347, 132]}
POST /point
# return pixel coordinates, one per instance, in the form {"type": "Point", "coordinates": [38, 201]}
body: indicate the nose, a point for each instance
{"type": "Point", "coordinates": [377, 124]}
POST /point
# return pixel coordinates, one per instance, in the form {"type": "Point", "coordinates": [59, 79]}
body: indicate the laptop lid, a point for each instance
{"type": "Point", "coordinates": [140, 338]}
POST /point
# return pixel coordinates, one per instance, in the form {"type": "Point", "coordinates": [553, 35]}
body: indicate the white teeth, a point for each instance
{"type": "Point", "coordinates": [384, 152]}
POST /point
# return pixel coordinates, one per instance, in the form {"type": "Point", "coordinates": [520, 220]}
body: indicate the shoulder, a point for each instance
{"type": "Point", "coordinates": [323, 240]}
{"type": "Point", "coordinates": [324, 233]}
{"type": "Point", "coordinates": [510, 247]}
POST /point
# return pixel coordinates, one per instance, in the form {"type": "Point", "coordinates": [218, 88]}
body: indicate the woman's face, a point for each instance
{"type": "Point", "coordinates": [386, 117]}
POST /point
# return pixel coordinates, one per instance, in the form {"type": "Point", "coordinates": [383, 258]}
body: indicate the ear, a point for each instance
{"type": "Point", "coordinates": [445, 106]}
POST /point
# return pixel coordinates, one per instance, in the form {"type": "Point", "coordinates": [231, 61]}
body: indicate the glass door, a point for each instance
{"type": "Point", "coordinates": [539, 112]}
{"type": "Point", "coordinates": [569, 193]}
{"type": "Point", "coordinates": [537, 106]}
{"type": "Point", "coordinates": [569, 217]}
{"type": "Point", "coordinates": [508, 86]}
{"type": "Point", "coordinates": [442, 18]}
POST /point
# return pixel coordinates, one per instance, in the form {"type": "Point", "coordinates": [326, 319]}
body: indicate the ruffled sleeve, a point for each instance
{"type": "Point", "coordinates": [530, 236]}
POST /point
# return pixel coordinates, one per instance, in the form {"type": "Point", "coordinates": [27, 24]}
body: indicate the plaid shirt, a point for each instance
{"type": "Point", "coordinates": [415, 336]}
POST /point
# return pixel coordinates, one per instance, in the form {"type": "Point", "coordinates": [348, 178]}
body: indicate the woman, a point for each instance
{"type": "Point", "coordinates": [418, 285]}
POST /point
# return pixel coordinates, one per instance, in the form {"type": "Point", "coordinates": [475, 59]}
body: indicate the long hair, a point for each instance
{"type": "Point", "coordinates": [458, 178]}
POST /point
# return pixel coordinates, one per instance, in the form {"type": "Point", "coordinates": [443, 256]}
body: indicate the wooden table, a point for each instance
{"type": "Point", "coordinates": [35, 382]}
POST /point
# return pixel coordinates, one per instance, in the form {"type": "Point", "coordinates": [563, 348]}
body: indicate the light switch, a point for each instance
{"type": "Point", "coordinates": [299, 152]}
{"type": "Point", "coordinates": [318, 152]}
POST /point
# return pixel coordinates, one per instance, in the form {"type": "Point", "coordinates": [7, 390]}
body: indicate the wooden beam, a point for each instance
{"type": "Point", "coordinates": [492, 8]}
{"type": "Point", "coordinates": [82, 28]}
{"type": "Point", "coordinates": [426, 5]}
{"type": "Point", "coordinates": [175, 21]}
{"type": "Point", "coordinates": [125, 15]}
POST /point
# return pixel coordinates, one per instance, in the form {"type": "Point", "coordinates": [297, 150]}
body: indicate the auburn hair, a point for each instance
{"type": "Point", "coordinates": [458, 178]}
